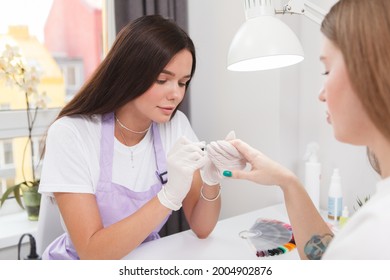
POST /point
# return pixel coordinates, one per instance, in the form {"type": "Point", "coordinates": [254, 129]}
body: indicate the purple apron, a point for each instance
{"type": "Point", "coordinates": [115, 202]}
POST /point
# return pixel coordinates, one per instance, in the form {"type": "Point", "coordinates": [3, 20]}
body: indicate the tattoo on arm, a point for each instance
{"type": "Point", "coordinates": [316, 246]}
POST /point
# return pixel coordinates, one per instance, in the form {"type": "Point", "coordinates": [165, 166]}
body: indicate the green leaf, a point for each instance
{"type": "Point", "coordinates": [16, 190]}
{"type": "Point", "coordinates": [17, 197]}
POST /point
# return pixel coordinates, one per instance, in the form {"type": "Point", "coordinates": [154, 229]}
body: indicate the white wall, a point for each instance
{"type": "Point", "coordinates": [248, 102]}
{"type": "Point", "coordinates": [276, 111]}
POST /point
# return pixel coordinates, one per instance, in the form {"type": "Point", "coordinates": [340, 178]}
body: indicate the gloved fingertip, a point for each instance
{"type": "Point", "coordinates": [202, 161]}
{"type": "Point", "coordinates": [213, 145]}
{"type": "Point", "coordinates": [231, 135]}
{"type": "Point", "coordinates": [229, 148]}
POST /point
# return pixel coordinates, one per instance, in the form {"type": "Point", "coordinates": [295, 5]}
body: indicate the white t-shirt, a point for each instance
{"type": "Point", "coordinates": [366, 234]}
{"type": "Point", "coordinates": [71, 162]}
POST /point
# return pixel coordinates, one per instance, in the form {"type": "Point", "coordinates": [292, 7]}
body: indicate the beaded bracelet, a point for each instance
{"type": "Point", "coordinates": [208, 199]}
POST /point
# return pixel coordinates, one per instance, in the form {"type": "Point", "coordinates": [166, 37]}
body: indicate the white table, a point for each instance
{"type": "Point", "coordinates": [224, 243]}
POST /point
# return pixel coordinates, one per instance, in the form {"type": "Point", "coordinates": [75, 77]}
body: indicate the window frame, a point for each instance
{"type": "Point", "coordinates": [14, 124]}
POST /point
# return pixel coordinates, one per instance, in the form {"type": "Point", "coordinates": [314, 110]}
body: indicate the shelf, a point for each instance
{"type": "Point", "coordinates": [13, 226]}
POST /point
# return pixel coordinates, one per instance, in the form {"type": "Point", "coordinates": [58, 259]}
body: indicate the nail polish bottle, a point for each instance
{"type": "Point", "coordinates": [344, 216]}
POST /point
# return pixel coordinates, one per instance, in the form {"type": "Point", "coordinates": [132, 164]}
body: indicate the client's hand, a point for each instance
{"type": "Point", "coordinates": [221, 156]}
{"type": "Point", "coordinates": [263, 170]}
{"type": "Point", "coordinates": [184, 158]}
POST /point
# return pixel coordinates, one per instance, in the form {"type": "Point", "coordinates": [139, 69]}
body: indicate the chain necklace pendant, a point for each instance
{"type": "Point", "coordinates": [131, 151]}
{"type": "Point", "coordinates": [132, 159]}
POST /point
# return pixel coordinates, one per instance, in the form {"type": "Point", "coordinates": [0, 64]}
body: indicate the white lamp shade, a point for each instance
{"type": "Point", "coordinates": [264, 42]}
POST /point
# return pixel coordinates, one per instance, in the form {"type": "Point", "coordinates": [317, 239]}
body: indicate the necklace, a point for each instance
{"type": "Point", "coordinates": [128, 129]}
{"type": "Point", "coordinates": [131, 150]}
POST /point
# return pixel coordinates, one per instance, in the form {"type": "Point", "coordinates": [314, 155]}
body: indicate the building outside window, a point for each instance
{"type": "Point", "coordinates": [63, 40]}
{"type": "Point", "coordinates": [73, 72]}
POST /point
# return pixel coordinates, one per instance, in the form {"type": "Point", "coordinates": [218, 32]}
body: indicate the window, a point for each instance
{"type": "Point", "coordinates": [51, 38]}
{"type": "Point", "coordinates": [7, 159]}
{"type": "Point", "coordinates": [13, 142]}
{"type": "Point", "coordinates": [73, 72]}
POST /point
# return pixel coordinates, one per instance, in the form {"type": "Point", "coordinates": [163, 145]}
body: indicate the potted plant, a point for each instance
{"type": "Point", "coordinates": [31, 197]}
{"type": "Point", "coordinates": [15, 72]}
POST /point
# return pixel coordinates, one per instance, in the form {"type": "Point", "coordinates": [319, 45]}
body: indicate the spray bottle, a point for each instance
{"type": "Point", "coordinates": [313, 173]}
{"type": "Point", "coordinates": [335, 197]}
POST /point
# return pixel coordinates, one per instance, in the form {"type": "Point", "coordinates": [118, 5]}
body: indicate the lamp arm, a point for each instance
{"type": "Point", "coordinates": [302, 7]}
{"type": "Point", "coordinates": [314, 12]}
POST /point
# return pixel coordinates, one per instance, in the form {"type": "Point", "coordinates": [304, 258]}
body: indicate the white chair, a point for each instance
{"type": "Point", "coordinates": [49, 223]}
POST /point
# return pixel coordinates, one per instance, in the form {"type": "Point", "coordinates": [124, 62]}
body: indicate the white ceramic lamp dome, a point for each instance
{"type": "Point", "coordinates": [263, 41]}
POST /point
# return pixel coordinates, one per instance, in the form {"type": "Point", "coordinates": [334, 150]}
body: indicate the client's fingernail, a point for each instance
{"type": "Point", "coordinates": [227, 173]}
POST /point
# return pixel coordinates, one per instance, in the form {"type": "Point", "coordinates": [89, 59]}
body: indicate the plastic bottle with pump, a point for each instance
{"type": "Point", "coordinates": [335, 197]}
{"type": "Point", "coordinates": [313, 173]}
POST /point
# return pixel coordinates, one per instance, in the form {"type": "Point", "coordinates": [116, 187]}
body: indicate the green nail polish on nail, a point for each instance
{"type": "Point", "coordinates": [227, 173]}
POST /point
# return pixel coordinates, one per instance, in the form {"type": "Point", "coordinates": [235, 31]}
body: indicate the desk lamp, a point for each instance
{"type": "Point", "coordinates": [265, 42]}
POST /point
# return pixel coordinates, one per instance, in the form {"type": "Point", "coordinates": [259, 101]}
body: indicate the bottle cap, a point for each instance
{"type": "Point", "coordinates": [345, 212]}
{"type": "Point", "coordinates": [311, 152]}
{"type": "Point", "coordinates": [336, 177]}
{"type": "Point", "coordinates": [335, 189]}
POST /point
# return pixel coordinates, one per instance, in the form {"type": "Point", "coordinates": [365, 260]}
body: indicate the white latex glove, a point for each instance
{"type": "Point", "coordinates": [221, 156]}
{"type": "Point", "coordinates": [183, 159]}
{"type": "Point", "coordinates": [225, 156]}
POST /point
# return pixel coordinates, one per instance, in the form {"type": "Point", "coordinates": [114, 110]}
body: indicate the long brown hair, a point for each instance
{"type": "Point", "coordinates": [361, 30]}
{"type": "Point", "coordinates": [139, 54]}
